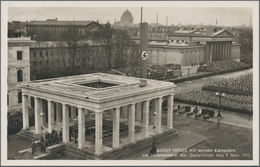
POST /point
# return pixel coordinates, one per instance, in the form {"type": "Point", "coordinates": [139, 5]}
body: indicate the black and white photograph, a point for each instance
{"type": "Point", "coordinates": [133, 82]}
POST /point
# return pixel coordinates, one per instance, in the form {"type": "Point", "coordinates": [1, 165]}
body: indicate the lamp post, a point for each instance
{"type": "Point", "coordinates": [42, 115]}
{"type": "Point", "coordinates": [219, 95]}
{"type": "Point", "coordinates": [188, 72]}
{"type": "Point", "coordinates": [205, 66]}
{"type": "Point", "coordinates": [154, 114]}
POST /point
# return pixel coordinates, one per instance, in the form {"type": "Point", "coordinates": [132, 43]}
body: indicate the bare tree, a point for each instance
{"type": "Point", "coordinates": [115, 44]}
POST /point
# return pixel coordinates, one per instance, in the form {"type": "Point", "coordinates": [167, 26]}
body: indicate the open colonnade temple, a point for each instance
{"type": "Point", "coordinates": [133, 106]}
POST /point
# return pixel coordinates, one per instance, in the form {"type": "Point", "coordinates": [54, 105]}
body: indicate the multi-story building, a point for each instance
{"type": "Point", "coordinates": [18, 70]}
{"type": "Point", "coordinates": [52, 29]}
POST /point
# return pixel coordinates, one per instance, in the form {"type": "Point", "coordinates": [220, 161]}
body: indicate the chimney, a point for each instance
{"type": "Point", "coordinates": [166, 20]}
{"type": "Point", "coordinates": [250, 21]}
{"type": "Point", "coordinates": [157, 18]}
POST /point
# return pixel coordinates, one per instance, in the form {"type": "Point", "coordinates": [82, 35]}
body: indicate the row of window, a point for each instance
{"type": "Point", "coordinates": [58, 52]}
{"type": "Point", "coordinates": [46, 61]}
{"type": "Point", "coordinates": [19, 98]}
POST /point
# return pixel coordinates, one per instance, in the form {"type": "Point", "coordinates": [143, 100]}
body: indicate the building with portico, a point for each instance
{"type": "Point", "coordinates": [128, 100]}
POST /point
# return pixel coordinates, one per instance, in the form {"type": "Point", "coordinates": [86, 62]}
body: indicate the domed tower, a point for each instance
{"type": "Point", "coordinates": [127, 18]}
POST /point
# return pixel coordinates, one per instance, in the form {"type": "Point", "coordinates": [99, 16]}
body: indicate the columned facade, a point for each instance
{"type": "Point", "coordinates": [218, 50]}
{"type": "Point", "coordinates": [135, 108]}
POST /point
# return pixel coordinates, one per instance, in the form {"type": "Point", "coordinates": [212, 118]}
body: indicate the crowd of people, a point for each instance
{"type": "Point", "coordinates": [15, 122]}
{"type": "Point", "coordinates": [236, 103]}
{"type": "Point", "coordinates": [247, 58]}
{"type": "Point", "coordinates": [241, 85]}
{"type": "Point", "coordinates": [158, 72]}
{"type": "Point", "coordinates": [224, 65]}
{"type": "Point", "coordinates": [50, 139]}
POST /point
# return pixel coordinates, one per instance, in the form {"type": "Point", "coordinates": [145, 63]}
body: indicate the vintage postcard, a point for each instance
{"type": "Point", "coordinates": [134, 82]}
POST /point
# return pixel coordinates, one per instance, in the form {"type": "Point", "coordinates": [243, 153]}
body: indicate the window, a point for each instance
{"type": "Point", "coordinates": [20, 97]}
{"type": "Point", "coordinates": [52, 53]}
{"type": "Point", "coordinates": [41, 62]}
{"type": "Point", "coordinates": [19, 76]}
{"type": "Point", "coordinates": [8, 99]}
{"type": "Point", "coordinates": [34, 62]}
{"type": "Point", "coordinates": [35, 71]}
{"type": "Point", "coordinates": [19, 55]}
{"type": "Point", "coordinates": [40, 53]}
{"type": "Point", "coordinates": [47, 61]}
{"type": "Point", "coordinates": [34, 54]}
{"type": "Point", "coordinates": [46, 53]}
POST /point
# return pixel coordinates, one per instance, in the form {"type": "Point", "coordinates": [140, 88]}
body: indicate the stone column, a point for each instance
{"type": "Point", "coordinates": [44, 111]}
{"type": "Point", "coordinates": [58, 112]}
{"type": "Point", "coordinates": [139, 111]}
{"type": "Point", "coordinates": [50, 115]}
{"type": "Point", "coordinates": [225, 51]}
{"type": "Point", "coordinates": [152, 117]}
{"type": "Point", "coordinates": [211, 52]}
{"type": "Point", "coordinates": [25, 112]}
{"type": "Point", "coordinates": [116, 124]}
{"type": "Point", "coordinates": [146, 118]}
{"type": "Point", "coordinates": [37, 105]}
{"type": "Point", "coordinates": [158, 114]}
{"type": "Point", "coordinates": [169, 112]}
{"type": "Point", "coordinates": [73, 111]}
{"type": "Point", "coordinates": [131, 123]}
{"type": "Point", "coordinates": [65, 123]}
{"type": "Point", "coordinates": [229, 51]}
{"type": "Point", "coordinates": [98, 132]}
{"type": "Point", "coordinates": [125, 109]}
{"type": "Point", "coordinates": [81, 128]}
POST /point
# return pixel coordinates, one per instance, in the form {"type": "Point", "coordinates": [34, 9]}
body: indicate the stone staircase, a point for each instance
{"type": "Point", "coordinates": [25, 156]}
{"type": "Point", "coordinates": [26, 135]}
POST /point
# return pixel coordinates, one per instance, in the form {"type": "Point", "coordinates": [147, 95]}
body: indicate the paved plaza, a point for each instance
{"type": "Point", "coordinates": [234, 131]}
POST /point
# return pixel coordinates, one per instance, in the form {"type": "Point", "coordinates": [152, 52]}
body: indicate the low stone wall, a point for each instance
{"type": "Point", "coordinates": [138, 146]}
{"type": "Point", "coordinates": [54, 150]}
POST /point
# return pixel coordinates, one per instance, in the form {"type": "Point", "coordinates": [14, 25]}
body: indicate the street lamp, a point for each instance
{"type": "Point", "coordinates": [205, 66]}
{"type": "Point", "coordinates": [219, 95]}
{"type": "Point", "coordinates": [42, 114]}
{"type": "Point", "coordinates": [188, 72]}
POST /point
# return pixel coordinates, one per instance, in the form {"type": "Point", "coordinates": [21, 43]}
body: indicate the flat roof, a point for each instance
{"type": "Point", "coordinates": [60, 23]}
{"type": "Point", "coordinates": [122, 86]}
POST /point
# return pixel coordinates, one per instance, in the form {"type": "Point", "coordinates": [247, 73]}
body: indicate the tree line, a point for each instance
{"type": "Point", "coordinates": [73, 53]}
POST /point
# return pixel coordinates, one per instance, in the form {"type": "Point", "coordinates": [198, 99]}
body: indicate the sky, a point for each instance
{"type": "Point", "coordinates": [226, 16]}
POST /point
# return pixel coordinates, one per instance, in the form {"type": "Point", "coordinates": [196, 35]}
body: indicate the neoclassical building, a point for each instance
{"type": "Point", "coordinates": [97, 93]}
{"type": "Point", "coordinates": [18, 70]}
{"type": "Point", "coordinates": [194, 46]}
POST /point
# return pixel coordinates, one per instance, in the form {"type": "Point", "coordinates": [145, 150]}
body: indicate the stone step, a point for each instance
{"type": "Point", "coordinates": [27, 137]}
{"type": "Point", "coordinates": [25, 156]}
